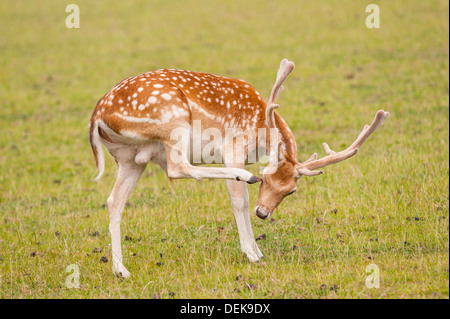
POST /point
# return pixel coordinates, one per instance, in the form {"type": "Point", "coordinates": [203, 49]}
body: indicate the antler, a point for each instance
{"type": "Point", "coordinates": [285, 69]}
{"type": "Point", "coordinates": [307, 167]}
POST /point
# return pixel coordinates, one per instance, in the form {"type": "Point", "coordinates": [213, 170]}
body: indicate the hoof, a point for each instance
{"type": "Point", "coordinates": [121, 272]}
{"type": "Point", "coordinates": [254, 179]}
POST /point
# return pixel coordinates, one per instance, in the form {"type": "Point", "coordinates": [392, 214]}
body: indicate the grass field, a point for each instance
{"type": "Point", "coordinates": [387, 206]}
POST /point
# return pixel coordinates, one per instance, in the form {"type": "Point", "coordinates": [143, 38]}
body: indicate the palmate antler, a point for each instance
{"type": "Point", "coordinates": [307, 167]}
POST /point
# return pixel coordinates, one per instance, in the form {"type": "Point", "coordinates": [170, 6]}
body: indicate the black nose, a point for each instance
{"type": "Point", "coordinates": [260, 214]}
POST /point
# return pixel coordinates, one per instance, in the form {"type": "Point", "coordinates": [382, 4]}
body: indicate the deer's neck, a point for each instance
{"type": "Point", "coordinates": [288, 139]}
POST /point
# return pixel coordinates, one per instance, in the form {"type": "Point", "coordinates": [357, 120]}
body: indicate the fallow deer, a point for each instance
{"type": "Point", "coordinates": [136, 119]}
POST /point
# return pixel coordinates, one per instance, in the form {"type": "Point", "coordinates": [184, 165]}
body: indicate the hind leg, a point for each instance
{"type": "Point", "coordinates": [127, 177]}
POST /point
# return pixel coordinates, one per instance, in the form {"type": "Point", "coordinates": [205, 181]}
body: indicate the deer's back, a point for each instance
{"type": "Point", "coordinates": [152, 104]}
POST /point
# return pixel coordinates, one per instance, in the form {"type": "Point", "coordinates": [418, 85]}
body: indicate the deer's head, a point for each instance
{"type": "Point", "coordinates": [281, 175]}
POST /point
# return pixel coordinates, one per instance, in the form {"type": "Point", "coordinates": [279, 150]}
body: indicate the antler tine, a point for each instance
{"type": "Point", "coordinates": [285, 69]}
{"type": "Point", "coordinates": [307, 167]}
{"type": "Point", "coordinates": [312, 158]}
{"type": "Point", "coordinates": [328, 150]}
{"type": "Point", "coordinates": [368, 130]}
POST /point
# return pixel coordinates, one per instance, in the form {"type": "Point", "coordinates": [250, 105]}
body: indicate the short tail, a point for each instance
{"type": "Point", "coordinates": [96, 144]}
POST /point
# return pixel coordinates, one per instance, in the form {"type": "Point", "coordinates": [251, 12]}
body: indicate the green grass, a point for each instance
{"type": "Point", "coordinates": [51, 78]}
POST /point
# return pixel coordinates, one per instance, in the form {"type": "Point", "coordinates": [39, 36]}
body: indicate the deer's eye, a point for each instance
{"type": "Point", "coordinates": [290, 193]}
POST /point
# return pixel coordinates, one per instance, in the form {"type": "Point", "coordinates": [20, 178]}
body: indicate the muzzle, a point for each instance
{"type": "Point", "coordinates": [262, 213]}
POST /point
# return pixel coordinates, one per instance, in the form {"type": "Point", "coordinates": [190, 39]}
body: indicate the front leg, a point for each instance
{"type": "Point", "coordinates": [178, 166]}
{"type": "Point", "coordinates": [240, 202]}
